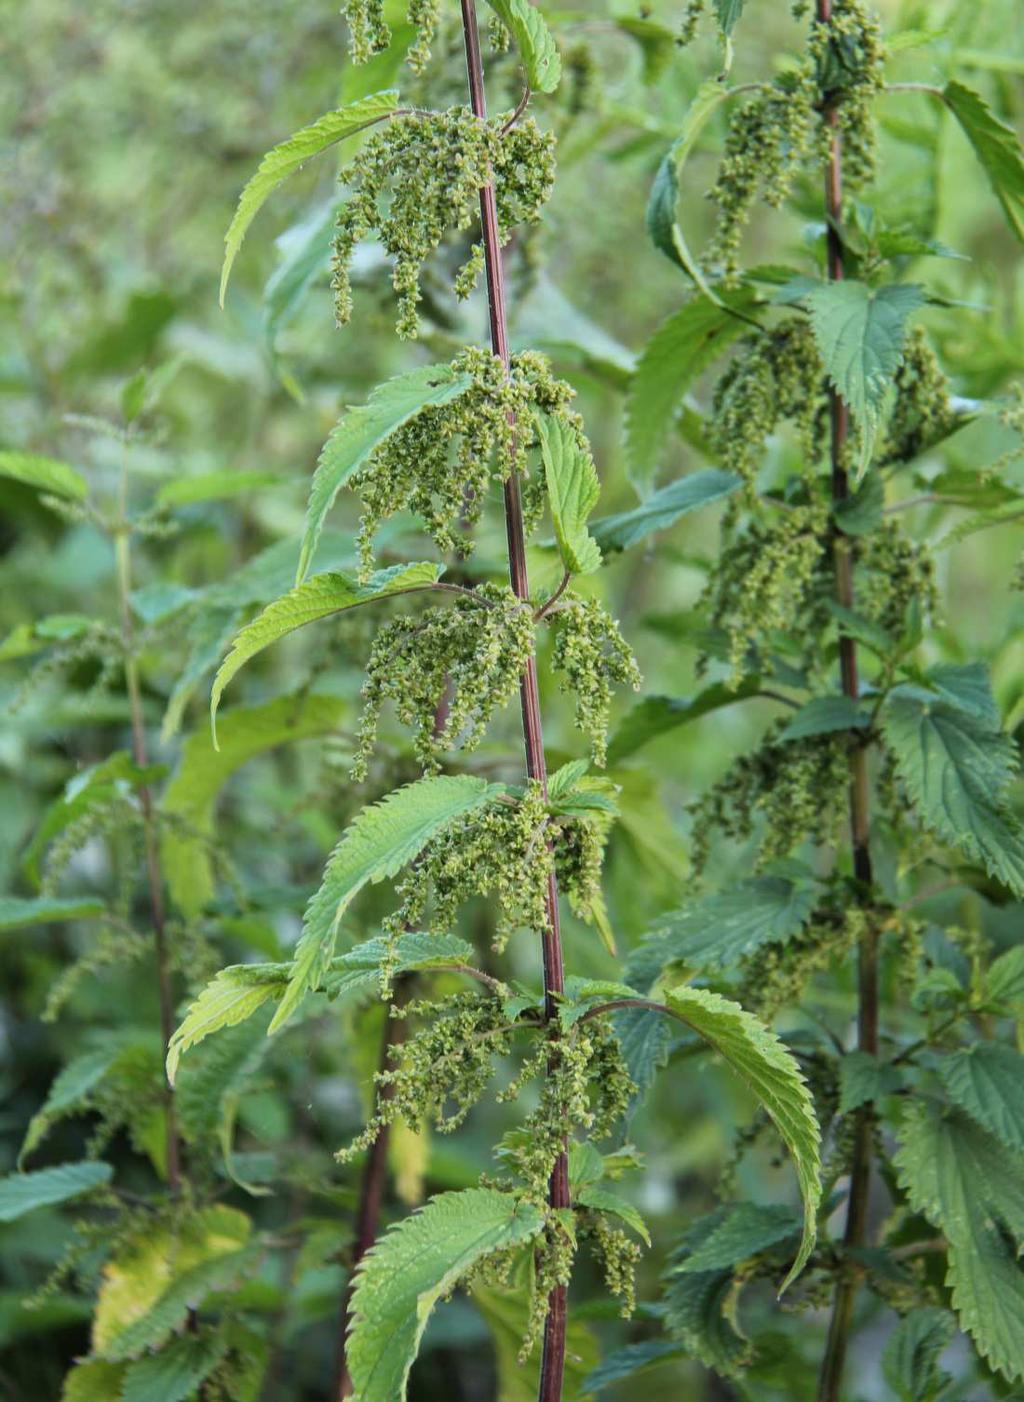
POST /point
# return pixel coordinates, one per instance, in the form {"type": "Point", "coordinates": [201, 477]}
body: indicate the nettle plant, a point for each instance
{"type": "Point", "coordinates": [446, 441]}
{"type": "Point", "coordinates": [886, 781]}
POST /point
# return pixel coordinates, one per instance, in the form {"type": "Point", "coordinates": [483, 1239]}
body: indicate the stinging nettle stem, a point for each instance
{"type": "Point", "coordinates": [553, 1355]}
{"type": "Point", "coordinates": [848, 1283]}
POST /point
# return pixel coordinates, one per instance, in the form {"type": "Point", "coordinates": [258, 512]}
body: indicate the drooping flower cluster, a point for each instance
{"type": "Point", "coordinates": [895, 574]}
{"type": "Point", "coordinates": [370, 33]}
{"type": "Point", "coordinates": [795, 788]}
{"type": "Point", "coordinates": [777, 375]}
{"type": "Point", "coordinates": [772, 134]}
{"type": "Point", "coordinates": [473, 653]}
{"type": "Point", "coordinates": [591, 654]}
{"type": "Point", "coordinates": [922, 410]}
{"type": "Point", "coordinates": [441, 463]}
{"type": "Point", "coordinates": [419, 178]}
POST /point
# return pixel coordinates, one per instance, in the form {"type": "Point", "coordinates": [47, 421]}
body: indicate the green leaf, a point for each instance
{"type": "Point", "coordinates": [910, 1359]}
{"type": "Point", "coordinates": [997, 147]}
{"type": "Point", "coordinates": [362, 430]}
{"type": "Point", "coordinates": [537, 48]}
{"type": "Point", "coordinates": [860, 335]}
{"type": "Point", "coordinates": [656, 42]}
{"type": "Point", "coordinates": [1004, 981]}
{"type": "Point", "coordinates": [862, 630]}
{"type": "Point", "coordinates": [70, 1089]}
{"type": "Point", "coordinates": [956, 771]}
{"type": "Point", "coordinates": [864, 1078]}
{"type": "Point", "coordinates": [93, 1380]}
{"type": "Point", "coordinates": [231, 997]}
{"type": "Point", "coordinates": [213, 486]}
{"type": "Point", "coordinates": [861, 513]}
{"type": "Point", "coordinates": [679, 352]}
{"type": "Point", "coordinates": [47, 474]}
{"type": "Point", "coordinates": [379, 842]}
{"type": "Point", "coordinates": [720, 929]}
{"type": "Point", "coordinates": [151, 1283]}
{"type": "Point", "coordinates": [319, 597]}
{"type": "Point", "coordinates": [728, 12]}
{"type": "Point", "coordinates": [17, 914]}
{"type": "Point", "coordinates": [663, 508]}
{"type": "Point", "coordinates": [286, 158]}
{"type": "Point", "coordinates": [573, 490]}
{"type": "Point", "coordinates": [987, 1080]}
{"type": "Point", "coordinates": [412, 1267]}
{"type": "Point", "coordinates": [700, 1312]}
{"type": "Point", "coordinates": [627, 1362]}
{"type": "Point", "coordinates": [173, 1374]}
{"type": "Point", "coordinates": [656, 715]}
{"type": "Point", "coordinates": [824, 715]}
{"type": "Point", "coordinates": [600, 1199]}
{"type": "Point", "coordinates": [190, 798]}
{"type": "Point", "coordinates": [971, 1188]}
{"type": "Point", "coordinates": [744, 1231]}
{"type": "Point", "coordinates": [21, 1193]}
{"type": "Point", "coordinates": [29, 638]}
{"type": "Point", "coordinates": [762, 1061]}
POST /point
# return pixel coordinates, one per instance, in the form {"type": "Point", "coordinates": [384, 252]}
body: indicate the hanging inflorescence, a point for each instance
{"type": "Point", "coordinates": [591, 654]}
{"type": "Point", "coordinates": [774, 134]}
{"type": "Point", "coordinates": [441, 464]}
{"type": "Point", "coordinates": [419, 178]}
{"type": "Point", "coordinates": [470, 655]}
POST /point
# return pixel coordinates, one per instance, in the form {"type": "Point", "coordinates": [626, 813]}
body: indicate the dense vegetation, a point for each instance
{"type": "Point", "coordinates": [395, 1004]}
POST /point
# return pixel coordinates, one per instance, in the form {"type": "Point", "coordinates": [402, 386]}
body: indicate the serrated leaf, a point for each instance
{"type": "Point", "coordinates": [600, 1199]}
{"type": "Point", "coordinates": [537, 48]}
{"type": "Point", "coordinates": [663, 508]}
{"type": "Point", "coordinates": [744, 1231]}
{"type": "Point", "coordinates": [956, 771]}
{"type": "Point", "coordinates": [727, 13]}
{"type": "Point", "coordinates": [319, 597]}
{"type": "Point", "coordinates": [213, 486]}
{"type": "Point", "coordinates": [697, 1314]}
{"type": "Point", "coordinates": [656, 715]}
{"type": "Point", "coordinates": [190, 798]}
{"type": "Point", "coordinates": [93, 1380]}
{"type": "Point", "coordinates": [1004, 981]}
{"type": "Point", "coordinates": [283, 160]}
{"type": "Point", "coordinates": [148, 1288]}
{"type": "Point", "coordinates": [987, 1080]}
{"type": "Point", "coordinates": [411, 1267]}
{"type": "Point", "coordinates": [380, 841]}
{"type": "Point", "coordinates": [861, 513]}
{"type": "Point", "coordinates": [824, 715]}
{"type": "Point", "coordinates": [997, 147]}
{"type": "Point", "coordinates": [630, 1360]}
{"type": "Point", "coordinates": [69, 1090]}
{"type": "Point", "coordinates": [230, 998]}
{"type": "Point", "coordinates": [864, 1078]}
{"type": "Point", "coordinates": [46, 474]}
{"type": "Point", "coordinates": [21, 1193]}
{"type": "Point", "coordinates": [18, 914]}
{"type": "Point", "coordinates": [762, 1061]}
{"type": "Point", "coordinates": [860, 335]}
{"type": "Point", "coordinates": [965, 1182]}
{"type": "Point", "coordinates": [720, 929]}
{"type": "Point", "coordinates": [573, 490]}
{"type": "Point", "coordinates": [910, 1359]}
{"type": "Point", "coordinates": [173, 1374]}
{"type": "Point", "coordinates": [362, 430]}
{"type": "Point", "coordinates": [680, 350]}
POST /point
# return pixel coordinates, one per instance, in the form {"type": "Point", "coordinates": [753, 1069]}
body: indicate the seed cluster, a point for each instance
{"type": "Point", "coordinates": [796, 787]}
{"type": "Point", "coordinates": [441, 463]}
{"type": "Point", "coordinates": [773, 134]}
{"type": "Point", "coordinates": [895, 574]}
{"type": "Point", "coordinates": [591, 653]}
{"type": "Point", "coordinates": [774, 575]}
{"type": "Point", "coordinates": [419, 178]}
{"type": "Point", "coordinates": [777, 375]}
{"type": "Point", "coordinates": [922, 411]}
{"type": "Point", "coordinates": [473, 653]}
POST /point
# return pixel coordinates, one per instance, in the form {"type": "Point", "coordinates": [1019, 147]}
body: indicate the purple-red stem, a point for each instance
{"type": "Point", "coordinates": [848, 1283]}
{"type": "Point", "coordinates": [553, 1356]}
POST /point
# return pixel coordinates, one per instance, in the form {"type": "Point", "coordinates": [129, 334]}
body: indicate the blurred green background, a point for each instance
{"type": "Point", "coordinates": [129, 130]}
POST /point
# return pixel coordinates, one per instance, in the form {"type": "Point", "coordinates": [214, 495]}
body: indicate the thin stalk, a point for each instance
{"type": "Point", "coordinates": [849, 1280]}
{"type": "Point", "coordinates": [154, 876]}
{"type": "Point", "coordinates": [553, 1356]}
